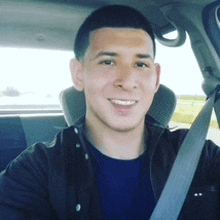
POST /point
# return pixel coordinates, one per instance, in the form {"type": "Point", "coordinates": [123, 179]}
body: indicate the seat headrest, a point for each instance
{"type": "Point", "coordinates": [161, 110]}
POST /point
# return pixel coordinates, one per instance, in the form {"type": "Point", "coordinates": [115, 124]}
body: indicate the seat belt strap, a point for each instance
{"type": "Point", "coordinates": [175, 190]}
{"type": "Point", "coordinates": [217, 111]}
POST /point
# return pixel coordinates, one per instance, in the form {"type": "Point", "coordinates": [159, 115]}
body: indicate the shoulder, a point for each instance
{"type": "Point", "coordinates": [178, 136]}
{"type": "Point", "coordinates": [174, 138]}
{"type": "Point", "coordinates": [40, 155]}
{"type": "Point", "coordinates": [210, 156]}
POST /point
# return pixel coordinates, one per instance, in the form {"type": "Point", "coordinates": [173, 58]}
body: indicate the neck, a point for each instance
{"type": "Point", "coordinates": [117, 144]}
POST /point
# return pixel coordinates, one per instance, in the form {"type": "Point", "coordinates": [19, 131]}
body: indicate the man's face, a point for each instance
{"type": "Point", "coordinates": [119, 78]}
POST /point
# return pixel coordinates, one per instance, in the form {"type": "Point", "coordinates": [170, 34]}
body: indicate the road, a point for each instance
{"type": "Point", "coordinates": [213, 133]}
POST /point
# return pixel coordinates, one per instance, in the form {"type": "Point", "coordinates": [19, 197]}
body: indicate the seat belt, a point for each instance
{"type": "Point", "coordinates": [176, 188]}
{"type": "Point", "coordinates": [217, 110]}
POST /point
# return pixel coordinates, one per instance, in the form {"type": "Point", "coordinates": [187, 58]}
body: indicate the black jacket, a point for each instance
{"type": "Point", "coordinates": [56, 180]}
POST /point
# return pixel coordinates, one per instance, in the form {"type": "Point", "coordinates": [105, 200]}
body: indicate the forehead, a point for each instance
{"type": "Point", "coordinates": [120, 39]}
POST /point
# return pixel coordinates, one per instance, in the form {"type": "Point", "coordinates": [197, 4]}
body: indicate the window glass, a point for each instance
{"type": "Point", "coordinates": [179, 68]}
{"type": "Point", "coordinates": [180, 72]}
{"type": "Point", "coordinates": [31, 77]}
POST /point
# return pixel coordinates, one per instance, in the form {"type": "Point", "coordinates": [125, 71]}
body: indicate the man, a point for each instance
{"type": "Point", "coordinates": [113, 163]}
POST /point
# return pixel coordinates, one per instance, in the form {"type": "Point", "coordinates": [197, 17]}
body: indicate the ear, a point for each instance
{"type": "Point", "coordinates": [158, 70]}
{"type": "Point", "coordinates": [77, 74]}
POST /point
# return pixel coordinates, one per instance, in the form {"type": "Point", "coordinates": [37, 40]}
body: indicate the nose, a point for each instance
{"type": "Point", "coordinates": [126, 79]}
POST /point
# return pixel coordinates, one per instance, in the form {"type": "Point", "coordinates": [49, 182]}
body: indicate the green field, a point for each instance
{"type": "Point", "coordinates": [191, 97]}
{"type": "Point", "coordinates": [188, 108]}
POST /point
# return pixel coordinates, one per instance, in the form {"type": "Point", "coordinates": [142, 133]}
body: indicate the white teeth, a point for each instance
{"type": "Point", "coordinates": [120, 102]}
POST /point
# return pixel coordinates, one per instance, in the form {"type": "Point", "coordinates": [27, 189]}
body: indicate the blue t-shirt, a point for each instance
{"type": "Point", "coordinates": [124, 185]}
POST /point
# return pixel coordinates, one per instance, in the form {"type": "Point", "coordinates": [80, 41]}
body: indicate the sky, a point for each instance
{"type": "Point", "coordinates": [44, 71]}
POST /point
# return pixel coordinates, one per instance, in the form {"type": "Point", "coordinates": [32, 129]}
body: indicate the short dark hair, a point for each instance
{"type": "Point", "coordinates": [115, 16]}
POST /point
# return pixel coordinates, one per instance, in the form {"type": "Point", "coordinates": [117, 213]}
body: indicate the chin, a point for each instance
{"type": "Point", "coordinates": [124, 127]}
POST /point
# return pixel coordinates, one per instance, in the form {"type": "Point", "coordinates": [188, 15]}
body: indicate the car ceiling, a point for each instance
{"type": "Point", "coordinates": [53, 24]}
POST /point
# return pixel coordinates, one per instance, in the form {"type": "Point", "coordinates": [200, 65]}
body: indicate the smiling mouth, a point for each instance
{"type": "Point", "coordinates": [122, 102]}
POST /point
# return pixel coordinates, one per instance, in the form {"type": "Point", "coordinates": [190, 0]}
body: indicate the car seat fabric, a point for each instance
{"type": "Point", "coordinates": [161, 110]}
{"type": "Point", "coordinates": [42, 128]}
{"type": "Point", "coordinates": [163, 105]}
{"type": "Point", "coordinates": [12, 139]}
{"type": "Point", "coordinates": [19, 132]}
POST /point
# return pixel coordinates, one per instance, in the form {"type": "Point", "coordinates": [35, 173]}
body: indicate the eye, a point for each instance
{"type": "Point", "coordinates": [141, 65]}
{"type": "Point", "coordinates": [107, 62]}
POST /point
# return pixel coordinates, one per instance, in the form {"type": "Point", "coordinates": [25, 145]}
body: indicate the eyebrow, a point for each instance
{"type": "Point", "coordinates": [106, 53]}
{"type": "Point", "coordinates": [113, 54]}
{"type": "Point", "coordinates": [144, 56]}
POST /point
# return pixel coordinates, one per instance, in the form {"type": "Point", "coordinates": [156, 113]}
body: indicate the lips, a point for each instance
{"type": "Point", "coordinates": [122, 102]}
{"type": "Point", "coordinates": [122, 105]}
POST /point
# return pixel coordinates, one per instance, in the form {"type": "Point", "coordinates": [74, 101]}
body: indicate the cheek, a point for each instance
{"type": "Point", "coordinates": [153, 80]}
{"type": "Point", "coordinates": [149, 88]}
{"type": "Point", "coordinates": [95, 83]}
{"type": "Point", "coordinates": [149, 82]}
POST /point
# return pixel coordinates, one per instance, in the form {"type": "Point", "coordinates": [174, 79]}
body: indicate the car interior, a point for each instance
{"type": "Point", "coordinates": [53, 24]}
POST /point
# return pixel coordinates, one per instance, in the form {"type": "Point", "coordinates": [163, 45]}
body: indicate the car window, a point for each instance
{"type": "Point", "coordinates": [179, 68]}
{"type": "Point", "coordinates": [33, 78]}
{"type": "Point", "coordinates": [181, 73]}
